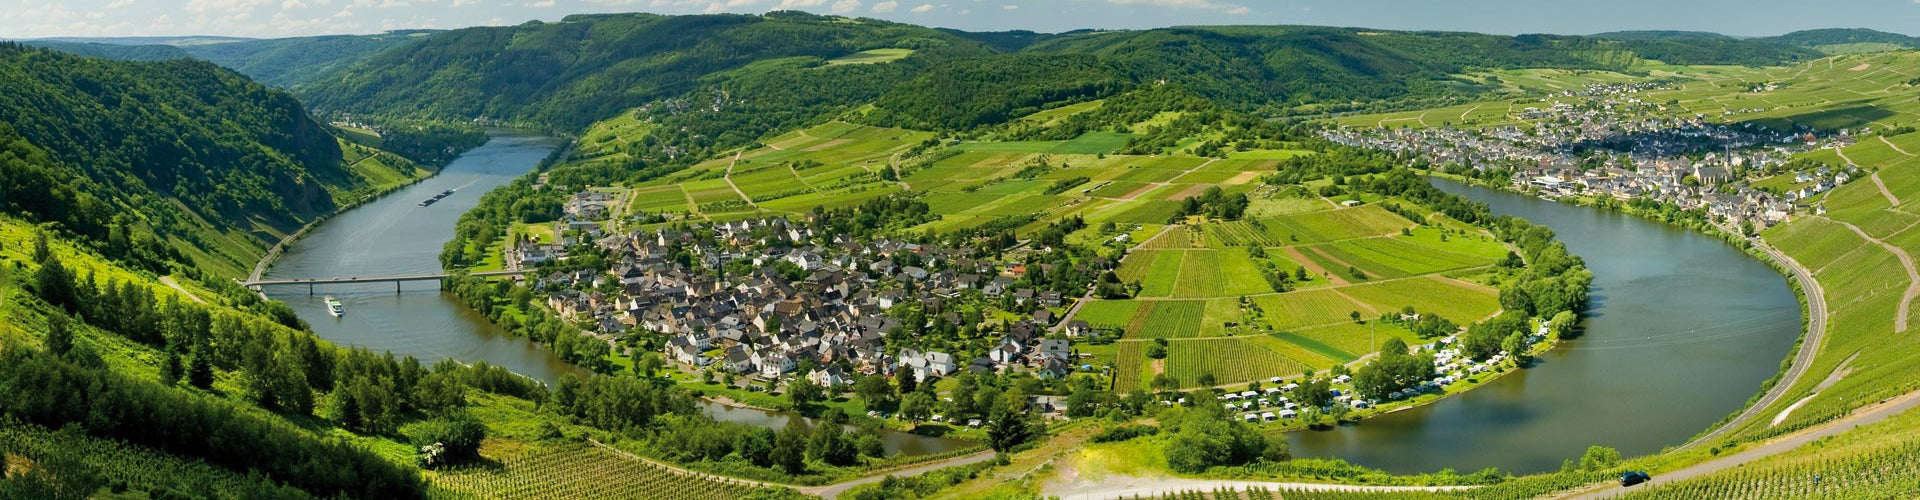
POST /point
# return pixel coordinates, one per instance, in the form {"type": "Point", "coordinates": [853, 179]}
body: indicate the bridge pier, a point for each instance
{"type": "Point", "coordinates": [396, 287]}
{"type": "Point", "coordinates": [309, 289]}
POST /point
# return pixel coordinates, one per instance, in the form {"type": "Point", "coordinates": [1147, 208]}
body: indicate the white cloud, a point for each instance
{"type": "Point", "coordinates": [223, 5]}
{"type": "Point", "coordinates": [292, 4]}
{"type": "Point", "coordinates": [927, 7]}
{"type": "Point", "coordinates": [887, 6]}
{"type": "Point", "coordinates": [119, 4]}
{"type": "Point", "coordinates": [542, 4]}
{"type": "Point", "coordinates": [1009, 7]}
{"type": "Point", "coordinates": [1225, 8]}
{"type": "Point", "coordinates": [845, 6]}
{"type": "Point", "coordinates": [797, 4]}
{"type": "Point", "coordinates": [715, 8]}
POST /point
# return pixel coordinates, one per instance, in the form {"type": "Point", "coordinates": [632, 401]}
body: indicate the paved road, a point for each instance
{"type": "Point", "coordinates": [1864, 416]}
{"type": "Point", "coordinates": [1809, 346]}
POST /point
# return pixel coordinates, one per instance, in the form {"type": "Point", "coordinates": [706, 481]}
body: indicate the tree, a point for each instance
{"type": "Point", "coordinates": [649, 364]}
{"type": "Point", "coordinates": [1599, 458]}
{"type": "Point", "coordinates": [171, 370]}
{"type": "Point", "coordinates": [59, 335]}
{"type": "Point", "coordinates": [1007, 425]}
{"type": "Point", "coordinates": [904, 379]}
{"type": "Point", "coordinates": [1516, 346]}
{"type": "Point", "coordinates": [1355, 315]}
{"type": "Point", "coordinates": [917, 407]}
{"type": "Point", "coordinates": [458, 435]}
{"type": "Point", "coordinates": [874, 389]}
{"type": "Point", "coordinates": [804, 392]}
{"type": "Point", "coordinates": [200, 369]}
{"type": "Point", "coordinates": [790, 450]}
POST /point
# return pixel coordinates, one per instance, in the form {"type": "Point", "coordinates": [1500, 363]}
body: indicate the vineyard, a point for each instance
{"type": "Point", "coordinates": [1170, 319]}
{"type": "Point", "coordinates": [137, 467]}
{"type": "Point", "coordinates": [586, 472]}
{"type": "Point", "coordinates": [1229, 360]}
{"type": "Point", "coordinates": [1127, 368]}
{"type": "Point", "coordinates": [1892, 472]}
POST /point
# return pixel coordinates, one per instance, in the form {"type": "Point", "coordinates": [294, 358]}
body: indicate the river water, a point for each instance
{"type": "Point", "coordinates": [393, 236]}
{"type": "Point", "coordinates": [1682, 330]}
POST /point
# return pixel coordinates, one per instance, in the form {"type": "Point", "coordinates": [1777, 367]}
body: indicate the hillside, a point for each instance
{"type": "Point", "coordinates": [289, 62]}
{"type": "Point", "coordinates": [114, 51]}
{"type": "Point", "coordinates": [178, 152]}
{"type": "Point", "coordinates": [591, 67]}
{"type": "Point", "coordinates": [1844, 40]}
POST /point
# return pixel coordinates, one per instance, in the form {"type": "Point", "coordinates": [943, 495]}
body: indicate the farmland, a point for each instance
{"type": "Point", "coordinates": [581, 471]}
{"type": "Point", "coordinates": [1228, 360]}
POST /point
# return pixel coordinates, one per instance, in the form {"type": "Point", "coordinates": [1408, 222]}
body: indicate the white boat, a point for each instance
{"type": "Point", "coordinates": [335, 308]}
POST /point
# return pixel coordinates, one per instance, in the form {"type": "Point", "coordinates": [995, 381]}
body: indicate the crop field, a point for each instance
{"type": "Point", "coordinates": [1162, 273]}
{"type": "Point", "coordinates": [1230, 360]}
{"type": "Point", "coordinates": [1127, 360]}
{"type": "Point", "coordinates": [581, 471]}
{"type": "Point", "coordinates": [1307, 228]}
{"type": "Point", "coordinates": [1168, 319]}
{"type": "Point", "coordinates": [1397, 257]}
{"type": "Point", "coordinates": [1109, 313]}
{"type": "Point", "coordinates": [1451, 299]}
{"type": "Point", "coordinates": [1307, 308]}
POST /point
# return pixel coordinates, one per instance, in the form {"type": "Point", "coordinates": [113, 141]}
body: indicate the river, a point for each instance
{"type": "Point", "coordinates": [1683, 328]}
{"type": "Point", "coordinates": [393, 236]}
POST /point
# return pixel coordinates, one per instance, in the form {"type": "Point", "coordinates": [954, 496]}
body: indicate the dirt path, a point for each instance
{"type": "Point", "coordinates": [168, 280]}
{"type": "Point", "coordinates": [1860, 417]}
{"type": "Point", "coordinates": [1896, 147]}
{"type": "Point", "coordinates": [1463, 114]}
{"type": "Point", "coordinates": [736, 189]}
{"type": "Point", "coordinates": [1842, 153]}
{"type": "Point", "coordinates": [1891, 199]}
{"type": "Point", "coordinates": [1839, 372]}
{"type": "Point", "coordinates": [1913, 277]}
{"type": "Point", "coordinates": [1314, 267]}
{"type": "Point", "coordinates": [824, 491]}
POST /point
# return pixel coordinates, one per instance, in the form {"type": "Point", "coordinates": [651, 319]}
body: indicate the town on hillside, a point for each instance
{"type": "Point", "coordinates": [1616, 145]}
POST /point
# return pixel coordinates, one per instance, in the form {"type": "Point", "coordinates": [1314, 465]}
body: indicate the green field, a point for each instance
{"type": "Point", "coordinates": [1229, 360]}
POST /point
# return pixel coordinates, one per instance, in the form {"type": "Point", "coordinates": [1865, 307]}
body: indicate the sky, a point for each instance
{"type": "Point", "coordinates": [280, 18]}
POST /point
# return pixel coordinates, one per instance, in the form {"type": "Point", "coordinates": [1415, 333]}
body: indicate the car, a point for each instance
{"type": "Point", "coordinates": [1634, 477]}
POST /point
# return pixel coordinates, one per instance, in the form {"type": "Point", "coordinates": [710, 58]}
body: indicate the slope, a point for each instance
{"type": "Point", "coordinates": [176, 160]}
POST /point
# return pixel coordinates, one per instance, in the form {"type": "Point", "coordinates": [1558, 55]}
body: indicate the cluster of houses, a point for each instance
{"type": "Point", "coordinates": [762, 320]}
{"type": "Point", "coordinates": [1686, 161]}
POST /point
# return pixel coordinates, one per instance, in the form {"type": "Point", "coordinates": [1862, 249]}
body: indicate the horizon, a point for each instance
{"type": "Point", "coordinates": [36, 19]}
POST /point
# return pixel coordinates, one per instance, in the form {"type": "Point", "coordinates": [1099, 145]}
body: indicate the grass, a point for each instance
{"type": "Point", "coordinates": [874, 56]}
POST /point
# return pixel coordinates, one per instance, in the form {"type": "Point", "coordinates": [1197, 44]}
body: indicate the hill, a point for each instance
{"type": "Point", "coordinates": [194, 159]}
{"type": "Point", "coordinates": [591, 67]}
{"type": "Point", "coordinates": [288, 62]}
{"type": "Point", "coordinates": [1661, 35]}
{"type": "Point", "coordinates": [1844, 40]}
{"type": "Point", "coordinates": [113, 51]}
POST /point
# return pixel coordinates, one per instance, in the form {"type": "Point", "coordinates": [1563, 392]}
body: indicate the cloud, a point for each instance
{"type": "Point", "coordinates": [1225, 8]}
{"type": "Point", "coordinates": [542, 4]}
{"type": "Point", "coordinates": [1009, 7]}
{"type": "Point", "coordinates": [845, 6]}
{"type": "Point", "coordinates": [223, 5]}
{"type": "Point", "coordinates": [120, 4]}
{"type": "Point", "coordinates": [292, 4]}
{"type": "Point", "coordinates": [927, 7]}
{"type": "Point", "coordinates": [796, 4]}
{"type": "Point", "coordinates": [887, 6]}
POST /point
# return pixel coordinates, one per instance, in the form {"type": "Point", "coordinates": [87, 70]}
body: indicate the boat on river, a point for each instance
{"type": "Point", "coordinates": [335, 307]}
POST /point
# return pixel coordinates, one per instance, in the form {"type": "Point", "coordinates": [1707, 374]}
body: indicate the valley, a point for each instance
{"type": "Point", "coordinates": [800, 255]}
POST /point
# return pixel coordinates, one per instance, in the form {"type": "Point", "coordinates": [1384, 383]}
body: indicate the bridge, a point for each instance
{"type": "Point", "coordinates": [311, 283]}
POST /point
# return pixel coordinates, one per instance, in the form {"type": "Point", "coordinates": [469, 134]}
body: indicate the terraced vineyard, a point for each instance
{"type": "Point", "coordinates": [586, 472]}
{"type": "Point", "coordinates": [1230, 360]}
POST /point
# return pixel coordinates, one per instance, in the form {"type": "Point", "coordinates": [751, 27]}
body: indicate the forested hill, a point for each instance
{"type": "Point", "coordinates": [114, 51]}
{"type": "Point", "coordinates": [288, 62]}
{"type": "Point", "coordinates": [590, 67]}
{"type": "Point", "coordinates": [133, 153]}
{"type": "Point", "coordinates": [587, 68]}
{"type": "Point", "coordinates": [1842, 36]}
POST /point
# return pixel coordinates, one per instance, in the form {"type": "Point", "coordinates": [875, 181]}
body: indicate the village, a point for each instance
{"type": "Point", "coordinates": [773, 299]}
{"type": "Point", "coordinates": [1618, 146]}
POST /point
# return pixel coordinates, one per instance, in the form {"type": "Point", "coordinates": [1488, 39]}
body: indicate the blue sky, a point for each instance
{"type": "Point", "coordinates": [273, 18]}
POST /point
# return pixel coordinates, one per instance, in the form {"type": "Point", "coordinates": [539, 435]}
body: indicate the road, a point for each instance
{"type": "Point", "coordinates": [170, 283]}
{"type": "Point", "coordinates": [1809, 346]}
{"type": "Point", "coordinates": [1860, 417]}
{"type": "Point", "coordinates": [1913, 276]}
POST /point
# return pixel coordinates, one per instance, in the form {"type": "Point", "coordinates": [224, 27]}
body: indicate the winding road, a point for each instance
{"type": "Point", "coordinates": [1809, 346]}
{"type": "Point", "coordinates": [1913, 277]}
{"type": "Point", "coordinates": [1860, 417]}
